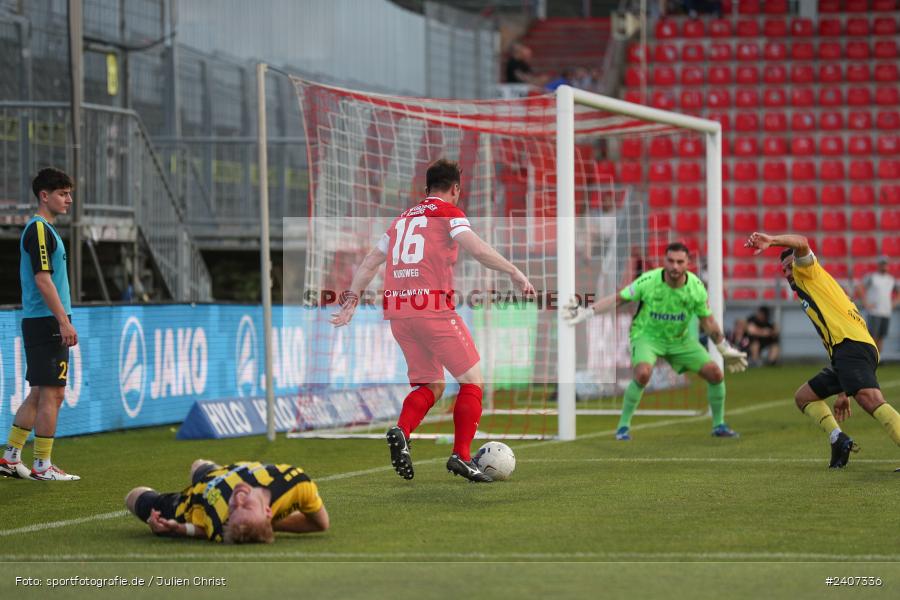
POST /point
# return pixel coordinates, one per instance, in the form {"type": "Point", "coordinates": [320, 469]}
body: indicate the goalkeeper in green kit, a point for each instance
{"type": "Point", "coordinates": [668, 298]}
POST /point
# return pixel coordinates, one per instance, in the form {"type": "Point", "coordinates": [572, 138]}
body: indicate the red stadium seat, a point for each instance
{"type": "Point", "coordinates": [858, 73]}
{"type": "Point", "coordinates": [889, 169]}
{"type": "Point", "coordinates": [774, 195]}
{"type": "Point", "coordinates": [720, 28]}
{"type": "Point", "coordinates": [803, 170]}
{"type": "Point", "coordinates": [689, 172]}
{"type": "Point", "coordinates": [719, 52]}
{"type": "Point", "coordinates": [804, 221]}
{"type": "Point", "coordinates": [605, 170]}
{"type": "Point", "coordinates": [857, 50]}
{"type": "Point", "coordinates": [887, 73]}
{"type": "Point", "coordinates": [828, 73]}
{"type": "Point", "coordinates": [774, 122]}
{"type": "Point", "coordinates": [827, 50]}
{"type": "Point", "coordinates": [884, 5]}
{"type": "Point", "coordinates": [774, 146]}
{"type": "Point", "coordinates": [831, 145]}
{"type": "Point", "coordinates": [745, 222]}
{"type": "Point", "coordinates": [660, 172]}
{"type": "Point", "coordinates": [692, 52]}
{"type": "Point", "coordinates": [690, 147]}
{"type": "Point", "coordinates": [888, 145]}
{"type": "Point", "coordinates": [863, 220]}
{"type": "Point", "coordinates": [744, 293]}
{"type": "Point", "coordinates": [838, 270]}
{"type": "Point", "coordinates": [890, 246]}
{"type": "Point", "coordinates": [862, 195]}
{"type": "Point", "coordinates": [748, 51]}
{"type": "Point", "coordinates": [666, 29]}
{"type": "Point", "coordinates": [634, 76]}
{"type": "Point", "coordinates": [803, 195]}
{"type": "Point", "coordinates": [719, 75]}
{"type": "Point", "coordinates": [833, 195]}
{"type": "Point", "coordinates": [771, 270]}
{"type": "Point", "coordinates": [747, 98]}
{"type": "Point", "coordinates": [774, 171]}
{"type": "Point", "coordinates": [745, 171]}
{"type": "Point", "coordinates": [890, 220]}
{"type": "Point", "coordinates": [802, 121]}
{"type": "Point", "coordinates": [665, 53]}
{"type": "Point", "coordinates": [659, 197]}
{"type": "Point", "coordinates": [775, 220]}
{"type": "Point", "coordinates": [636, 52]}
{"type": "Point", "coordinates": [661, 221]}
{"type": "Point", "coordinates": [889, 195]}
{"type": "Point", "coordinates": [693, 28]}
{"type": "Point", "coordinates": [718, 98]}
{"type": "Point", "coordinates": [859, 119]}
{"type": "Point", "coordinates": [663, 76]}
{"type": "Point", "coordinates": [857, 26]}
{"type": "Point", "coordinates": [831, 121]}
{"type": "Point", "coordinates": [833, 247]}
{"type": "Point", "coordinates": [746, 121]}
{"type": "Point", "coordinates": [745, 271]}
{"type": "Point", "coordinates": [775, 7]}
{"type": "Point", "coordinates": [829, 6]}
{"type": "Point", "coordinates": [859, 96]}
{"type": "Point", "coordinates": [802, 97]}
{"type": "Point", "coordinates": [834, 220]}
{"type": "Point", "coordinates": [775, 28]}
{"type": "Point", "coordinates": [887, 95]}
{"type": "Point", "coordinates": [631, 147]}
{"type": "Point", "coordinates": [860, 145]}
{"type": "Point", "coordinates": [861, 269]}
{"type": "Point", "coordinates": [803, 51]}
{"type": "Point", "coordinates": [774, 97]}
{"type": "Point", "coordinates": [748, 7]}
{"type": "Point", "coordinates": [688, 222]}
{"type": "Point", "coordinates": [661, 147]}
{"type": "Point", "coordinates": [746, 146]}
{"type": "Point", "coordinates": [633, 96]}
{"type": "Point", "coordinates": [774, 74]}
{"type": "Point", "coordinates": [864, 246]}
{"type": "Point", "coordinates": [689, 197]}
{"type": "Point", "coordinates": [745, 196]}
{"type": "Point", "coordinates": [747, 28]}
{"type": "Point", "coordinates": [832, 170]}
{"type": "Point", "coordinates": [737, 246]}
{"type": "Point", "coordinates": [830, 96]}
{"type": "Point", "coordinates": [663, 100]}
{"type": "Point", "coordinates": [888, 119]}
{"type": "Point", "coordinates": [631, 172]}
{"type": "Point", "coordinates": [747, 74]}
{"type": "Point", "coordinates": [775, 51]}
{"type": "Point", "coordinates": [861, 170]}
{"type": "Point", "coordinates": [885, 26]}
{"type": "Point", "coordinates": [803, 145]}
{"type": "Point", "coordinates": [856, 5]}
{"type": "Point", "coordinates": [799, 27]}
{"type": "Point", "coordinates": [886, 49]}
{"type": "Point", "coordinates": [691, 100]}
{"type": "Point", "coordinates": [692, 76]}
{"type": "Point", "coordinates": [830, 27]}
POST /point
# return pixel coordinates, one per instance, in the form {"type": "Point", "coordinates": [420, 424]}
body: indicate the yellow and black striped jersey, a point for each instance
{"type": "Point", "coordinates": [832, 313]}
{"type": "Point", "coordinates": [205, 503]}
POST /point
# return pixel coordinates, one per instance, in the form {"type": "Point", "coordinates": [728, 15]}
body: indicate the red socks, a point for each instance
{"type": "Point", "coordinates": [466, 414]}
{"type": "Point", "coordinates": [415, 407]}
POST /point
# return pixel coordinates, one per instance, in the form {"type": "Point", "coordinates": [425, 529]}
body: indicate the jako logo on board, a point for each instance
{"type": "Point", "coordinates": [132, 366]}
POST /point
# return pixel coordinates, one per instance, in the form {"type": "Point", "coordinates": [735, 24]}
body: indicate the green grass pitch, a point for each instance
{"type": "Point", "coordinates": [675, 513]}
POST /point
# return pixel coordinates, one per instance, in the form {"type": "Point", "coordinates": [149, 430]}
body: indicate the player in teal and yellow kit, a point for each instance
{"type": "Point", "coordinates": [238, 503]}
{"type": "Point", "coordinates": [668, 298]}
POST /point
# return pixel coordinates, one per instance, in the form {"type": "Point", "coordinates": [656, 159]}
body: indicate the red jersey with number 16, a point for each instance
{"type": "Point", "coordinates": [421, 253]}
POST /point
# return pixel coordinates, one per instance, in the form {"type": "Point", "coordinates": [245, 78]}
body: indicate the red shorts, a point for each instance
{"type": "Point", "coordinates": [431, 344]}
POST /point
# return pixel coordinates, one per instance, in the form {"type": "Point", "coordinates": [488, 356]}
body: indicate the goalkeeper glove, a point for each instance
{"type": "Point", "coordinates": [574, 313]}
{"type": "Point", "coordinates": [735, 360]}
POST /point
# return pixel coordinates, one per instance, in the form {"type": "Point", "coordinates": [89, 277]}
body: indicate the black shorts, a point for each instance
{"type": "Point", "coordinates": [764, 342]}
{"type": "Point", "coordinates": [878, 326]}
{"type": "Point", "coordinates": [853, 366]}
{"type": "Point", "coordinates": [46, 357]}
{"type": "Point", "coordinates": [164, 503]}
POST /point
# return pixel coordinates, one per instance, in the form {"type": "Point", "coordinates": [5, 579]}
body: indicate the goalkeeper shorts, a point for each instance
{"type": "Point", "coordinates": [683, 355]}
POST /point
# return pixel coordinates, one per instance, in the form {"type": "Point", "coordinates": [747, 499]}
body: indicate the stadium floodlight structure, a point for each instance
{"type": "Point", "coordinates": [534, 186]}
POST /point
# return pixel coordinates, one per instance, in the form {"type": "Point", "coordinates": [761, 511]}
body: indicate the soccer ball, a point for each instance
{"type": "Point", "coordinates": [496, 459]}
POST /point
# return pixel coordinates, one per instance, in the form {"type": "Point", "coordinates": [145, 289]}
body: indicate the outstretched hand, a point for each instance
{"type": "Point", "coordinates": [759, 242]}
{"type": "Point", "coordinates": [349, 302]}
{"type": "Point", "coordinates": [841, 407]}
{"type": "Point", "coordinates": [522, 284]}
{"type": "Point", "coordinates": [574, 313]}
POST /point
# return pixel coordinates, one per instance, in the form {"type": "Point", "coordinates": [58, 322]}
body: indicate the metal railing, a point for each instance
{"type": "Point", "coordinates": [124, 182]}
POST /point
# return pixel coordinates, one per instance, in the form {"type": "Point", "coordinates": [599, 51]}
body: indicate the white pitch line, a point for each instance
{"type": "Point", "coordinates": [469, 556]}
{"type": "Point", "coordinates": [348, 475]}
{"type": "Point", "coordinates": [724, 459]}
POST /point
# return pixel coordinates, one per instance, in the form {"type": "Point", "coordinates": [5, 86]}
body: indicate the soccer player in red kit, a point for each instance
{"type": "Point", "coordinates": [421, 248]}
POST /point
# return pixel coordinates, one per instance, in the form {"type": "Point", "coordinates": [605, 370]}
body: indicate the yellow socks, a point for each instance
{"type": "Point", "coordinates": [819, 412]}
{"type": "Point", "coordinates": [42, 448]}
{"type": "Point", "coordinates": [15, 442]}
{"type": "Point", "coordinates": [890, 420]}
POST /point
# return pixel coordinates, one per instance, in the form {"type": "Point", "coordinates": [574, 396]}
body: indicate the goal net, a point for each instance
{"type": "Point", "coordinates": [567, 186]}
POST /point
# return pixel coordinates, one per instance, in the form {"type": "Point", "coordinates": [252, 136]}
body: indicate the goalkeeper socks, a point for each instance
{"type": "Point", "coordinates": [415, 407]}
{"type": "Point", "coordinates": [890, 419]}
{"type": "Point", "coordinates": [630, 403]}
{"type": "Point", "coordinates": [43, 446]}
{"type": "Point", "coordinates": [466, 414]}
{"type": "Point", "coordinates": [15, 442]}
{"type": "Point", "coordinates": [821, 415]}
{"type": "Point", "coordinates": [715, 394]}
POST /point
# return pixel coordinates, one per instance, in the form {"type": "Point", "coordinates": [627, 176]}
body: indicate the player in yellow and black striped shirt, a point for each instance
{"type": "Point", "coordinates": [237, 503]}
{"type": "Point", "coordinates": [854, 356]}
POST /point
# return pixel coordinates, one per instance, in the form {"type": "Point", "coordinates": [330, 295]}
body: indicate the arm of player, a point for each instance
{"type": "Point", "coordinates": [51, 297]}
{"type": "Point", "coordinates": [486, 255]}
{"type": "Point", "coordinates": [298, 522]}
{"type": "Point", "coordinates": [172, 528]}
{"type": "Point", "coordinates": [761, 241]}
{"type": "Point", "coordinates": [361, 279]}
{"type": "Point", "coordinates": [735, 360]}
{"type": "Point", "coordinates": [574, 313]}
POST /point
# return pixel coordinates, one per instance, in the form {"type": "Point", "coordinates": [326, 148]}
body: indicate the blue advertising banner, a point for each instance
{"type": "Point", "coordinates": [137, 366]}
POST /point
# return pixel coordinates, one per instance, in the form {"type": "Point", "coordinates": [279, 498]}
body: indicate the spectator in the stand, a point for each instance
{"type": "Point", "coordinates": [695, 7]}
{"type": "Point", "coordinates": [756, 334]}
{"type": "Point", "coordinates": [564, 79]}
{"type": "Point", "coordinates": [877, 294]}
{"type": "Point", "coordinates": [518, 66]}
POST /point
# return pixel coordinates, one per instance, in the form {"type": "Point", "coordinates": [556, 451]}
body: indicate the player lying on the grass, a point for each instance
{"type": "Point", "coordinates": [239, 503]}
{"type": "Point", "coordinates": [668, 298]}
{"type": "Point", "coordinates": [418, 301]}
{"type": "Point", "coordinates": [853, 353]}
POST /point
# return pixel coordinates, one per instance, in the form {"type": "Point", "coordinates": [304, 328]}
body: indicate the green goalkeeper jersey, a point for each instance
{"type": "Point", "coordinates": [664, 313]}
